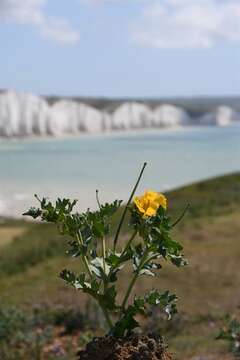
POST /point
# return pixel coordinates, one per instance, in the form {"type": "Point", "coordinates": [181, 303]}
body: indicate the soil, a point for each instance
{"type": "Point", "coordinates": [132, 348]}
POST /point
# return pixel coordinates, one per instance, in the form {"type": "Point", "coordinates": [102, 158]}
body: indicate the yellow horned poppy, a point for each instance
{"type": "Point", "coordinates": [149, 203]}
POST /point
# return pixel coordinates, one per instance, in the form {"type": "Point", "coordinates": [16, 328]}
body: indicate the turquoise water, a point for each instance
{"type": "Point", "coordinates": [75, 167]}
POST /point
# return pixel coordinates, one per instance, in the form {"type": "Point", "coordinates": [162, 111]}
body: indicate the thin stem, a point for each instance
{"type": "Point", "coordinates": [127, 247]}
{"type": "Point", "coordinates": [85, 260]}
{"type": "Point", "coordinates": [128, 244]}
{"type": "Point", "coordinates": [103, 243]}
{"type": "Point", "coordinates": [123, 253]}
{"type": "Point", "coordinates": [126, 207]}
{"type": "Point", "coordinates": [129, 290]}
{"type": "Point", "coordinates": [104, 254]}
{"type": "Point", "coordinates": [105, 285]}
{"type": "Point", "coordinates": [181, 216]}
{"type": "Point", "coordinates": [97, 198]}
{"type": "Point", "coordinates": [134, 279]}
{"type": "Point", "coordinates": [107, 317]}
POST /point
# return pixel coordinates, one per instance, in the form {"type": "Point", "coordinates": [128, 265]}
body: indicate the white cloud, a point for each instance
{"type": "Point", "coordinates": [31, 12]}
{"type": "Point", "coordinates": [59, 30]}
{"type": "Point", "coordinates": [111, 2]}
{"type": "Point", "coordinates": [188, 23]}
{"type": "Point", "coordinates": [97, 2]}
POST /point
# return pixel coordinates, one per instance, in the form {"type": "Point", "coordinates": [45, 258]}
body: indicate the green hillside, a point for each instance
{"type": "Point", "coordinates": [32, 254]}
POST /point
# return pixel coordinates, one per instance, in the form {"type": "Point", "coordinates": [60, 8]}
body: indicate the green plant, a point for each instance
{"type": "Point", "coordinates": [71, 319]}
{"type": "Point", "coordinates": [149, 244]}
{"type": "Point", "coordinates": [11, 321]}
{"type": "Point", "coordinates": [22, 335]}
{"type": "Point", "coordinates": [231, 332]}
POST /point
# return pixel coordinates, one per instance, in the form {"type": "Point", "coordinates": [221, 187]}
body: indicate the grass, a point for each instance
{"type": "Point", "coordinates": [7, 234]}
{"type": "Point", "coordinates": [33, 254]}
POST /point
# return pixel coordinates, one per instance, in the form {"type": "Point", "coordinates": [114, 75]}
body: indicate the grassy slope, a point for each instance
{"type": "Point", "coordinates": [207, 288]}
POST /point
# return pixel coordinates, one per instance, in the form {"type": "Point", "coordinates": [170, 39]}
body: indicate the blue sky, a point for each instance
{"type": "Point", "coordinates": [143, 48]}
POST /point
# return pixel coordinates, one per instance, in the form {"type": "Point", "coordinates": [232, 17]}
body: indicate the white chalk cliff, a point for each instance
{"type": "Point", "coordinates": [222, 116]}
{"type": "Point", "coordinates": [26, 115]}
{"type": "Point", "coordinates": [29, 115]}
{"type": "Point", "coordinates": [131, 116]}
{"type": "Point", "coordinates": [170, 116]}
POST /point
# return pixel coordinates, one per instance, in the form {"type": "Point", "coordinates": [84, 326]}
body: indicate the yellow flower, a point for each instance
{"type": "Point", "coordinates": [149, 203]}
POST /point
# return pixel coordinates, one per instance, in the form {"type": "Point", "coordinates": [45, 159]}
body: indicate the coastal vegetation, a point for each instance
{"type": "Point", "coordinates": [38, 309]}
{"type": "Point", "coordinates": [102, 262]}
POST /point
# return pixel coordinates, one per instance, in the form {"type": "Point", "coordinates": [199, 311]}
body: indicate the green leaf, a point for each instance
{"type": "Point", "coordinates": [155, 232]}
{"type": "Point", "coordinates": [165, 300]}
{"type": "Point", "coordinates": [150, 266]}
{"type": "Point", "coordinates": [128, 322]}
{"type": "Point", "coordinates": [50, 212]}
{"type": "Point", "coordinates": [98, 268]}
{"type": "Point", "coordinates": [115, 259]}
{"type": "Point", "coordinates": [73, 280]}
{"type": "Point", "coordinates": [80, 283]}
{"type": "Point", "coordinates": [124, 326]}
{"type": "Point", "coordinates": [33, 212]}
{"type": "Point", "coordinates": [108, 210]}
{"type": "Point", "coordinates": [178, 260]}
{"type": "Point", "coordinates": [146, 272]}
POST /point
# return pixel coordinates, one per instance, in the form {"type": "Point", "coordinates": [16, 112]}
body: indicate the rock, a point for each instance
{"type": "Point", "coordinates": [132, 348]}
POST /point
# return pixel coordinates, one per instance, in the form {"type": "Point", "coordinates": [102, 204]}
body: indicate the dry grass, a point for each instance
{"type": "Point", "coordinates": [8, 234]}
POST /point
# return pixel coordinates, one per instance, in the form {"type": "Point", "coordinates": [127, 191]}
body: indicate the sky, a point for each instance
{"type": "Point", "coordinates": [120, 48]}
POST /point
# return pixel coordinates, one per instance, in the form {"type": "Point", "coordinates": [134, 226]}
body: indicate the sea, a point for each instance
{"type": "Point", "coordinates": [75, 167]}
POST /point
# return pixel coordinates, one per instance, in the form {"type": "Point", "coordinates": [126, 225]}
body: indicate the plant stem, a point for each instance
{"type": "Point", "coordinates": [134, 279]}
{"type": "Point", "coordinates": [128, 244]}
{"type": "Point", "coordinates": [107, 317]}
{"type": "Point", "coordinates": [123, 253]}
{"type": "Point", "coordinates": [85, 260]}
{"type": "Point", "coordinates": [104, 254]}
{"type": "Point", "coordinates": [129, 290]}
{"type": "Point", "coordinates": [181, 216]}
{"type": "Point", "coordinates": [105, 312]}
{"type": "Point", "coordinates": [126, 207]}
{"type": "Point", "coordinates": [97, 198]}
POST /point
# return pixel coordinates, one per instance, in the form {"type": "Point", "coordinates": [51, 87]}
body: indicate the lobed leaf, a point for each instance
{"type": "Point", "coordinates": [166, 302]}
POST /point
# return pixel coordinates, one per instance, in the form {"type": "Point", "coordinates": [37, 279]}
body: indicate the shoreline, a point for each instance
{"type": "Point", "coordinates": [75, 166]}
{"type": "Point", "coordinates": [114, 133]}
{"type": "Point", "coordinates": [165, 191]}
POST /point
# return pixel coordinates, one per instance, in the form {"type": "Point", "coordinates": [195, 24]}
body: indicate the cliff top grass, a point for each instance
{"type": "Point", "coordinates": [208, 289]}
